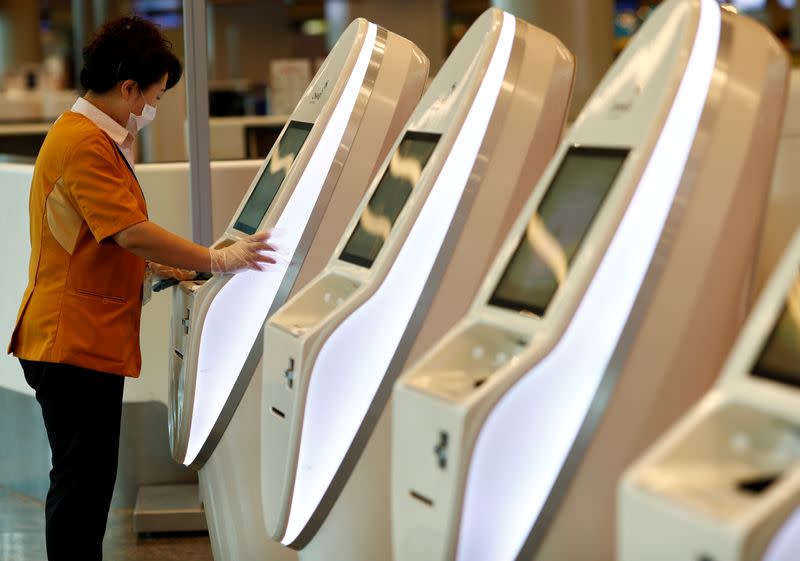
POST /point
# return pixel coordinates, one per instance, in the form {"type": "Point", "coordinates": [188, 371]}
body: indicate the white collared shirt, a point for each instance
{"type": "Point", "coordinates": [122, 136]}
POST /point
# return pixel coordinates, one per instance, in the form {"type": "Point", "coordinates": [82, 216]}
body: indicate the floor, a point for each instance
{"type": "Point", "coordinates": [22, 536]}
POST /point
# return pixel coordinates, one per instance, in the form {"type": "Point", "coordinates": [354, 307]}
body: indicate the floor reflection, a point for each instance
{"type": "Point", "coordinates": [22, 536]}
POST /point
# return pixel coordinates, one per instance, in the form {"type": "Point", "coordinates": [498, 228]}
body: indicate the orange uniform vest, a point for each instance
{"type": "Point", "coordinates": [83, 302]}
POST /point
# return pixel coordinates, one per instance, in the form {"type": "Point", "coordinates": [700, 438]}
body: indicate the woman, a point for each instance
{"type": "Point", "coordinates": [77, 332]}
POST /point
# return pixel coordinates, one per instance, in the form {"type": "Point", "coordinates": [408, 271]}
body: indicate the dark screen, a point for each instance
{"type": "Point", "coordinates": [259, 140]}
{"type": "Point", "coordinates": [273, 175]}
{"type": "Point", "coordinates": [779, 360]}
{"type": "Point", "coordinates": [556, 231]}
{"type": "Point", "coordinates": [397, 183]}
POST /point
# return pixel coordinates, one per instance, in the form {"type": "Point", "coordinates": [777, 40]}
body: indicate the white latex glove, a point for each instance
{"type": "Point", "coordinates": [247, 253]}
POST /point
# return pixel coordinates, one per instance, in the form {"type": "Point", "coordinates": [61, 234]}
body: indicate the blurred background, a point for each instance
{"type": "Point", "coordinates": [263, 53]}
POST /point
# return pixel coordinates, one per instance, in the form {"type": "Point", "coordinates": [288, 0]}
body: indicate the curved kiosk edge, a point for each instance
{"type": "Point", "coordinates": [589, 334]}
{"type": "Point", "coordinates": [724, 483]}
{"type": "Point", "coordinates": [306, 191]}
{"type": "Point", "coordinates": [332, 352]}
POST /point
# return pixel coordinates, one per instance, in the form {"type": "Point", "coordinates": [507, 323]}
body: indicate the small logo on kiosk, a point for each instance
{"type": "Point", "coordinates": [316, 95]}
{"type": "Point", "coordinates": [442, 99]}
{"type": "Point", "coordinates": [625, 100]}
{"type": "Point", "coordinates": [620, 106]}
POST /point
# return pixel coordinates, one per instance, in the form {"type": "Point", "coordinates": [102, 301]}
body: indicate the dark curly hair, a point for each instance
{"type": "Point", "coordinates": [128, 48]}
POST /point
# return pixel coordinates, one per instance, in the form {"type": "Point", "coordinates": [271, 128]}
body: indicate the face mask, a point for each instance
{"type": "Point", "coordinates": [138, 122]}
{"type": "Point", "coordinates": [147, 116]}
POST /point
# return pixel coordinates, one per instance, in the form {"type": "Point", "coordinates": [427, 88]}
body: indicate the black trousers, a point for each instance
{"type": "Point", "coordinates": [82, 410]}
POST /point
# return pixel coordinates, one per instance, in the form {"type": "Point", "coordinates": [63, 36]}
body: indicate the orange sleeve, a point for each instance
{"type": "Point", "coordinates": [103, 193]}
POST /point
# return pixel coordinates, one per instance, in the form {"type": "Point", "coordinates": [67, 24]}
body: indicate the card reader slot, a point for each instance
{"type": "Point", "coordinates": [278, 413]}
{"type": "Point", "coordinates": [421, 498]}
{"type": "Point", "coordinates": [758, 484]}
{"type": "Point", "coordinates": [164, 284]}
{"type": "Point", "coordinates": [178, 354]}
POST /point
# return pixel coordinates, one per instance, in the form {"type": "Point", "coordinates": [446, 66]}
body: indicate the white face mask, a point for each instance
{"type": "Point", "coordinates": [138, 122]}
{"type": "Point", "coordinates": [147, 116]}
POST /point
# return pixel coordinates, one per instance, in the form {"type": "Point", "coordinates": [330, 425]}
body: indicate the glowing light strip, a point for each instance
{"type": "Point", "coordinates": [786, 543]}
{"type": "Point", "coordinates": [240, 308]}
{"type": "Point", "coordinates": [528, 435]}
{"type": "Point", "coordinates": [353, 359]}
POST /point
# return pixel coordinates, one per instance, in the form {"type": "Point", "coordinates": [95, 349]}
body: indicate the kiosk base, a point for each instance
{"type": "Point", "coordinates": [168, 508]}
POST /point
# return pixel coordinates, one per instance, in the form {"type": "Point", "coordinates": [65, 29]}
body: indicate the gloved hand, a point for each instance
{"type": "Point", "coordinates": [247, 253]}
{"type": "Point", "coordinates": [170, 272]}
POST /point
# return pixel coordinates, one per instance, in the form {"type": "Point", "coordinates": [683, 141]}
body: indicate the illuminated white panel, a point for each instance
{"type": "Point", "coordinates": [240, 308]}
{"type": "Point", "coordinates": [353, 361]}
{"type": "Point", "coordinates": [526, 438]}
{"type": "Point", "coordinates": [786, 543]}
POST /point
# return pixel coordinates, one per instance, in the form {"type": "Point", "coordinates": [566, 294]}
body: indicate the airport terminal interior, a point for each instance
{"type": "Point", "coordinates": [536, 291]}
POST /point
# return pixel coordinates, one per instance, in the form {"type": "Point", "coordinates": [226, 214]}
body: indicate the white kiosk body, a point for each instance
{"type": "Point", "coordinates": [510, 434]}
{"type": "Point", "coordinates": [724, 483]}
{"type": "Point", "coordinates": [378, 77]}
{"type": "Point", "coordinates": [306, 191]}
{"type": "Point", "coordinates": [445, 198]}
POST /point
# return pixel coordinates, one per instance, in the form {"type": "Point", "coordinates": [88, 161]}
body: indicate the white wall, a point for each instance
{"type": "Point", "coordinates": [166, 187]}
{"type": "Point", "coordinates": [15, 249]}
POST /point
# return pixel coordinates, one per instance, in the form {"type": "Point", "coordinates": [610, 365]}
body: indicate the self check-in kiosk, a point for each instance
{"type": "Point", "coordinates": [306, 190]}
{"type": "Point", "coordinates": [591, 330]}
{"type": "Point", "coordinates": [445, 197]}
{"type": "Point", "coordinates": [724, 484]}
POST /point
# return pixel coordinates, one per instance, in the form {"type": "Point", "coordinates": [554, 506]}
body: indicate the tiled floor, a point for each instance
{"type": "Point", "coordinates": [22, 536]}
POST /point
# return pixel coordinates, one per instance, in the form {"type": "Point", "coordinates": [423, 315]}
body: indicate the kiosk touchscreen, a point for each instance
{"type": "Point", "coordinates": [591, 330]}
{"type": "Point", "coordinates": [724, 484]}
{"type": "Point", "coordinates": [445, 198]}
{"type": "Point", "coordinates": [308, 187]}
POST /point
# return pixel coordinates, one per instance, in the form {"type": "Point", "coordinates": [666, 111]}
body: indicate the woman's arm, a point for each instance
{"type": "Point", "coordinates": [154, 243]}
